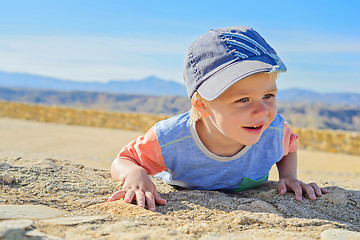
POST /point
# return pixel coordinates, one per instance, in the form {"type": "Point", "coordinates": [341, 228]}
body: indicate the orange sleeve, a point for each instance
{"type": "Point", "coordinates": [290, 140]}
{"type": "Point", "coordinates": [145, 152]}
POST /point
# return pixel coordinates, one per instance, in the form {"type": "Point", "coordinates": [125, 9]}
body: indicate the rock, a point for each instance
{"type": "Point", "coordinates": [21, 229]}
{"type": "Point", "coordinates": [5, 166]}
{"type": "Point", "coordinates": [73, 220]}
{"type": "Point", "coordinates": [23, 223]}
{"type": "Point", "coordinates": [7, 179]}
{"type": "Point", "coordinates": [35, 234]}
{"type": "Point", "coordinates": [338, 234]}
{"type": "Point", "coordinates": [29, 212]}
{"type": "Point", "coordinates": [14, 229]}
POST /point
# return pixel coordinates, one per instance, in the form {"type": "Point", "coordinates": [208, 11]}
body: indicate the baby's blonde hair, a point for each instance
{"type": "Point", "coordinates": [194, 113]}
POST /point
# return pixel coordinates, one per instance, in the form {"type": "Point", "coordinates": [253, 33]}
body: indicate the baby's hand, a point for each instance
{"type": "Point", "coordinates": [139, 186]}
{"type": "Point", "coordinates": [285, 185]}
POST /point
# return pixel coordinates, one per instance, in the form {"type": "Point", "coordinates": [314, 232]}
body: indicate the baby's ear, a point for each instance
{"type": "Point", "coordinates": [199, 104]}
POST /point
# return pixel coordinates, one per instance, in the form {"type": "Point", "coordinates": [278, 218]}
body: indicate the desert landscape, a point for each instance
{"type": "Point", "coordinates": [55, 182]}
{"type": "Point", "coordinates": [81, 79]}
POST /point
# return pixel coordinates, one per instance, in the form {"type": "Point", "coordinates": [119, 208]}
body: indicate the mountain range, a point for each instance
{"type": "Point", "coordinates": [154, 86]}
{"type": "Point", "coordinates": [147, 86]}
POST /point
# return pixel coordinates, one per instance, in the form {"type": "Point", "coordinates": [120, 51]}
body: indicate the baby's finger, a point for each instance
{"type": "Point", "coordinates": [117, 195]}
{"type": "Point", "coordinates": [324, 191]}
{"type": "Point", "coordinates": [316, 188]}
{"type": "Point", "coordinates": [281, 186]}
{"type": "Point", "coordinates": [129, 196]}
{"type": "Point", "coordinates": [298, 191]}
{"type": "Point", "coordinates": [158, 199]}
{"type": "Point", "coordinates": [309, 190]}
{"type": "Point", "coordinates": [140, 198]}
{"type": "Point", "coordinates": [150, 200]}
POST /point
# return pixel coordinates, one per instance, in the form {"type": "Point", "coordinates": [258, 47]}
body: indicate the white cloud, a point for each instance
{"type": "Point", "coordinates": [92, 58]}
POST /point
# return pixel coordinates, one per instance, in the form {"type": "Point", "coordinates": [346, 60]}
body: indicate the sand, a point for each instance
{"type": "Point", "coordinates": [66, 168]}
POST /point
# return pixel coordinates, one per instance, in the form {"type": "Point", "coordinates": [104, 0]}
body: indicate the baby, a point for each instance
{"type": "Point", "coordinates": [230, 138]}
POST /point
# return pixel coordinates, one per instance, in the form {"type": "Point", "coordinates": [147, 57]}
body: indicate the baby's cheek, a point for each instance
{"type": "Point", "coordinates": [272, 112]}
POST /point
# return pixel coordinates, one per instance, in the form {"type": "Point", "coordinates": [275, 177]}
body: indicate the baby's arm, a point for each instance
{"type": "Point", "coordinates": [288, 181]}
{"type": "Point", "coordinates": [136, 184]}
{"type": "Point", "coordinates": [287, 168]}
{"type": "Point", "coordinates": [135, 162]}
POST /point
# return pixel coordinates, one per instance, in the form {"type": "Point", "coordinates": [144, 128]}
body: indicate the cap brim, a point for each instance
{"type": "Point", "coordinates": [220, 81]}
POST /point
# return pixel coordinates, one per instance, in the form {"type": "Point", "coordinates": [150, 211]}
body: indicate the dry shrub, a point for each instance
{"type": "Point", "coordinates": [85, 117]}
{"type": "Point", "coordinates": [329, 140]}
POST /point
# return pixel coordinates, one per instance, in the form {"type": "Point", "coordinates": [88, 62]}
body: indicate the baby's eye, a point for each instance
{"type": "Point", "coordinates": [243, 100]}
{"type": "Point", "coordinates": [267, 96]}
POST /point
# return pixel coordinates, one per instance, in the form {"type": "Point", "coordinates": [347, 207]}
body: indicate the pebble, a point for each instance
{"type": "Point", "coordinates": [29, 212]}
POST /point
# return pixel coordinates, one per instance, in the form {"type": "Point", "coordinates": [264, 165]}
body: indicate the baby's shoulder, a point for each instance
{"type": "Point", "coordinates": [174, 122]}
{"type": "Point", "coordinates": [174, 127]}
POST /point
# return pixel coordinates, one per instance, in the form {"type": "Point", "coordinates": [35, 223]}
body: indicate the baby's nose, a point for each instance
{"type": "Point", "coordinates": [260, 109]}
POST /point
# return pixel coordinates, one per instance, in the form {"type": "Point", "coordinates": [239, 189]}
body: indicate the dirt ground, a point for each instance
{"type": "Point", "coordinates": [34, 171]}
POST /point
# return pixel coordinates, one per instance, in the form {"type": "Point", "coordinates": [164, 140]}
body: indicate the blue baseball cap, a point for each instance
{"type": "Point", "coordinates": [221, 57]}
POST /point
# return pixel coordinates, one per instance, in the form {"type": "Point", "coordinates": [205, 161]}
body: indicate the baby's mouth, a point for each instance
{"type": "Point", "coordinates": [254, 127]}
{"type": "Point", "coordinates": [257, 129]}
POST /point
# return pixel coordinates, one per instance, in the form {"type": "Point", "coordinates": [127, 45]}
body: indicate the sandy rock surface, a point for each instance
{"type": "Point", "coordinates": [74, 198]}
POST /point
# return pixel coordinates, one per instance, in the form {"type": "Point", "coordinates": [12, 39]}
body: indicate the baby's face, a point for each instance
{"type": "Point", "coordinates": [245, 110]}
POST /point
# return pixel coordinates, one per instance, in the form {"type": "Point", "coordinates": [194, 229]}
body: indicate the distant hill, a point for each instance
{"type": "Point", "coordinates": [306, 96]}
{"type": "Point", "coordinates": [321, 116]}
{"type": "Point", "coordinates": [99, 100]}
{"type": "Point", "coordinates": [154, 86]}
{"type": "Point", "coordinates": [148, 86]}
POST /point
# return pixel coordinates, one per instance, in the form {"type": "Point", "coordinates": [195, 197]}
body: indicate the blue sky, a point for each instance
{"type": "Point", "coordinates": [87, 40]}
